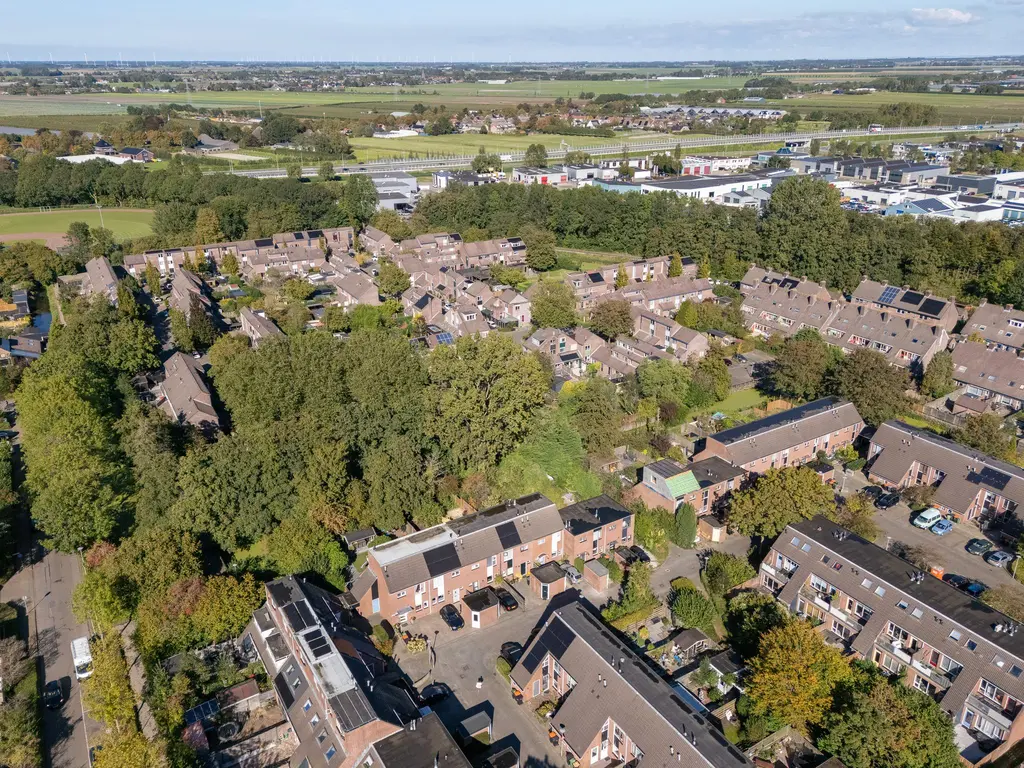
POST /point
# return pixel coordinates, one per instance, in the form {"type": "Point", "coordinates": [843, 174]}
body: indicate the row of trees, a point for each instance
{"type": "Point", "coordinates": [804, 231]}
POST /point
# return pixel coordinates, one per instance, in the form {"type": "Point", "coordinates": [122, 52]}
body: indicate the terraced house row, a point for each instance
{"type": "Point", "coordinates": [936, 638]}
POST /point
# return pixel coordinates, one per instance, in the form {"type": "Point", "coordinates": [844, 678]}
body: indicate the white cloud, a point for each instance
{"type": "Point", "coordinates": [942, 15]}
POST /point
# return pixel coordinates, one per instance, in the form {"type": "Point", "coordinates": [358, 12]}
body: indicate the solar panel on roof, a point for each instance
{"type": "Point", "coordinates": [297, 235]}
{"type": "Point", "coordinates": [444, 338]}
{"type": "Point", "coordinates": [442, 559]}
{"type": "Point", "coordinates": [912, 297]}
{"type": "Point", "coordinates": [297, 618]}
{"type": "Point", "coordinates": [204, 711]}
{"type": "Point", "coordinates": [888, 295]}
{"type": "Point", "coordinates": [932, 307]}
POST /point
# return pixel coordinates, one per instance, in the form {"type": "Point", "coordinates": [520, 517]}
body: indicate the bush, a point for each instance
{"type": "Point", "coordinates": [579, 563]}
{"type": "Point", "coordinates": [856, 464]}
{"type": "Point", "coordinates": [416, 645]}
{"type": "Point", "coordinates": [724, 571]}
{"type": "Point", "coordinates": [691, 608]}
{"type": "Point", "coordinates": [503, 668]}
{"type": "Point", "coordinates": [382, 640]}
{"type": "Point", "coordinates": [679, 583]}
{"type": "Point", "coordinates": [614, 569]}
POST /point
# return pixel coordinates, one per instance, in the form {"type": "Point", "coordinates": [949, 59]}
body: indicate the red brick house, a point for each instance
{"type": "Point", "coordinates": [595, 526]}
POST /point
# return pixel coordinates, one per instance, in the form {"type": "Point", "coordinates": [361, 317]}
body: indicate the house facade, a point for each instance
{"type": "Point", "coordinates": [969, 485]}
{"type": "Point", "coordinates": [999, 326]}
{"type": "Point", "coordinates": [701, 484]}
{"type": "Point", "coordinates": [932, 636]}
{"type": "Point", "coordinates": [990, 373]}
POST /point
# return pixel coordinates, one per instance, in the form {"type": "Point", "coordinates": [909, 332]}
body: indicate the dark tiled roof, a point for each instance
{"type": "Point", "coordinates": [593, 513]}
{"type": "Point", "coordinates": [425, 744]}
{"type": "Point", "coordinates": [481, 599]}
{"type": "Point", "coordinates": [548, 573]}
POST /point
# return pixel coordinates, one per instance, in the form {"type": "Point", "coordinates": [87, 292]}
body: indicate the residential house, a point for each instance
{"type": "Point", "coordinates": [701, 484]}
{"type": "Point", "coordinates": [326, 679]}
{"type": "Point", "coordinates": [98, 279]}
{"type": "Point", "coordinates": [417, 302]}
{"type": "Point", "coordinates": [257, 326]}
{"type": "Point", "coordinates": [589, 288]}
{"type": "Point", "coordinates": [774, 303]}
{"type": "Point", "coordinates": [935, 638]}
{"type": "Point", "coordinates": [905, 341]}
{"type": "Point", "coordinates": [103, 147]}
{"type": "Point", "coordinates": [508, 251]}
{"type": "Point", "coordinates": [354, 288]}
{"type": "Point", "coordinates": [789, 438]}
{"type": "Point", "coordinates": [434, 247]}
{"type": "Point", "coordinates": [595, 526]}
{"type": "Point", "coordinates": [208, 145]}
{"type": "Point", "coordinates": [989, 373]}
{"type": "Point", "coordinates": [665, 333]}
{"type": "Point", "coordinates": [968, 484]}
{"type": "Point", "coordinates": [298, 260]}
{"type": "Point", "coordinates": [666, 296]}
{"type": "Point", "coordinates": [466, 319]}
{"type": "Point", "coordinates": [420, 573]}
{"type": "Point", "coordinates": [184, 395]}
{"type": "Point", "coordinates": [903, 301]}
{"type": "Point", "coordinates": [614, 707]}
{"type": "Point", "coordinates": [188, 290]}
{"type": "Point", "coordinates": [999, 326]}
{"type": "Point", "coordinates": [137, 155]}
{"type": "Point", "coordinates": [28, 343]}
{"type": "Point", "coordinates": [510, 306]}
{"type": "Point", "coordinates": [561, 348]}
{"type": "Point", "coordinates": [377, 243]}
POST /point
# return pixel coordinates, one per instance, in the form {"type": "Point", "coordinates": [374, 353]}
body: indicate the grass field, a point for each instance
{"type": "Point", "coordinates": [128, 223]}
{"type": "Point", "coordinates": [953, 108]}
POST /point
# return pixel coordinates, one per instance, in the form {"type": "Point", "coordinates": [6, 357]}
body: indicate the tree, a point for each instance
{"type": "Point", "coordinates": [297, 289]}
{"type": "Point", "coordinates": [108, 694]}
{"type": "Point", "coordinates": [675, 266]}
{"type": "Point", "coordinates": [13, 663]}
{"type": "Point", "coordinates": [793, 675]}
{"type": "Point", "coordinates": [326, 171]}
{"type": "Point", "coordinates": [710, 383]}
{"type": "Point", "coordinates": [536, 156]}
{"type": "Point", "coordinates": [102, 599]}
{"type": "Point", "coordinates": [359, 200]}
{"type": "Point", "coordinates": [652, 527]}
{"type": "Point", "coordinates": [133, 347]}
{"type": "Point", "coordinates": [153, 279]}
{"type": "Point", "coordinates": [200, 325]}
{"type": "Point", "coordinates": [181, 334]}
{"type": "Point", "coordinates": [612, 318]}
{"type": "Point", "coordinates": [621, 278]}
{"type": "Point", "coordinates": [130, 750]}
{"type": "Point", "coordinates": [553, 306]}
{"type": "Point", "coordinates": [225, 606]}
{"type": "Point", "coordinates": [779, 497]}
{"type": "Point", "coordinates": [540, 248]}
{"type": "Point", "coordinates": [294, 171]}
{"type": "Point", "coordinates": [938, 376]}
{"type": "Point", "coordinates": [665, 381]}
{"type": "Point", "coordinates": [876, 388]}
{"type": "Point", "coordinates": [882, 723]}
{"type": "Point", "coordinates": [481, 399]}
{"type": "Point", "coordinates": [687, 314]}
{"type": "Point", "coordinates": [799, 372]}
{"type": "Point", "coordinates": [637, 599]}
{"type": "Point", "coordinates": [485, 163]}
{"type": "Point", "coordinates": [684, 532]}
{"type": "Point", "coordinates": [804, 229]}
{"type": "Point", "coordinates": [751, 616]}
{"type": "Point", "coordinates": [393, 280]}
{"type": "Point", "coordinates": [705, 675]}
{"type": "Point", "coordinates": [208, 226]}
{"type": "Point", "coordinates": [596, 414]}
{"type": "Point", "coordinates": [229, 265]}
{"type": "Point", "coordinates": [127, 304]}
{"type": "Point", "coordinates": [392, 224]}
{"type": "Point", "coordinates": [987, 433]}
{"type": "Point", "coordinates": [815, 147]}
{"type": "Point", "coordinates": [693, 610]}
{"type": "Point", "coordinates": [857, 513]}
{"type": "Point", "coordinates": [723, 571]}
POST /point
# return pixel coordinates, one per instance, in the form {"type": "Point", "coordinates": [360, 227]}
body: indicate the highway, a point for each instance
{"type": "Point", "coordinates": [651, 145]}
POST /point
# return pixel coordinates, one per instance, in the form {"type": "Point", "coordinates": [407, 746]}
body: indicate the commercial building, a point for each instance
{"type": "Point", "coordinates": [934, 637]}
{"type": "Point", "coordinates": [968, 484]}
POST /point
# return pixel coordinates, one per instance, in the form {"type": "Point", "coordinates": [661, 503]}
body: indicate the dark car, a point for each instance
{"type": "Point", "coordinates": [53, 695]}
{"type": "Point", "coordinates": [7, 434]}
{"type": "Point", "coordinates": [626, 555]}
{"type": "Point", "coordinates": [508, 603]}
{"type": "Point", "coordinates": [887, 500]}
{"type": "Point", "coordinates": [452, 618]}
{"type": "Point", "coordinates": [434, 694]}
{"type": "Point", "coordinates": [955, 580]}
{"type": "Point", "coordinates": [978, 546]}
{"type": "Point", "coordinates": [976, 588]}
{"type": "Point", "coordinates": [873, 491]}
{"type": "Point", "coordinates": [642, 556]}
{"type": "Point", "coordinates": [511, 652]}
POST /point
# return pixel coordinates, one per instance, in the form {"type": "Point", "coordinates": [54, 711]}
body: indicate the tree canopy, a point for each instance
{"type": "Point", "coordinates": [777, 498]}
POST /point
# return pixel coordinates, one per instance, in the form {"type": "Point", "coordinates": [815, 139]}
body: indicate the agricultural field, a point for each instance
{"type": "Point", "coordinates": [954, 108]}
{"type": "Point", "coordinates": [470, 143]}
{"type": "Point", "coordinates": [51, 226]}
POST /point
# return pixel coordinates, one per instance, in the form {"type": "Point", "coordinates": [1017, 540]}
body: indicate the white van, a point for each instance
{"type": "Point", "coordinates": [928, 518]}
{"type": "Point", "coordinates": [82, 657]}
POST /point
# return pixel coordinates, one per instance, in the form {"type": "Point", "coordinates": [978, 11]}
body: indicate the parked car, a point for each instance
{"type": "Point", "coordinates": [452, 618]}
{"type": "Point", "coordinates": [928, 518]}
{"type": "Point", "coordinates": [976, 588]}
{"type": "Point", "coordinates": [510, 652]}
{"type": "Point", "coordinates": [873, 492]}
{"type": "Point", "coordinates": [942, 527]}
{"type": "Point", "coordinates": [978, 546]}
{"type": "Point", "coordinates": [53, 695]}
{"type": "Point", "coordinates": [508, 603]}
{"type": "Point", "coordinates": [999, 559]}
{"type": "Point", "coordinates": [955, 580]}
{"type": "Point", "coordinates": [572, 573]}
{"type": "Point", "coordinates": [641, 555]}
{"type": "Point", "coordinates": [887, 500]}
{"type": "Point", "coordinates": [434, 694]}
{"type": "Point", "coordinates": [7, 434]}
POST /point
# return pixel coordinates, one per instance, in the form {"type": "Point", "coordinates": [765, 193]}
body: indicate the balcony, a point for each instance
{"type": "Point", "coordinates": [991, 711]}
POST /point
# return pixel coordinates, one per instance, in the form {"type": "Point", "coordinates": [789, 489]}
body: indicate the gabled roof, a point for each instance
{"type": "Point", "coordinates": [584, 516]}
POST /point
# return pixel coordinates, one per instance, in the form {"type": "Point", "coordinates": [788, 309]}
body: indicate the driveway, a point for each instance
{"type": "Point", "coordinates": [684, 562]}
{"type": "Point", "coordinates": [465, 656]}
{"type": "Point", "coordinates": [947, 551]}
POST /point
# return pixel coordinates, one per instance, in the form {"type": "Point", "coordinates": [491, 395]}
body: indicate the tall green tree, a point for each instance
{"type": "Point", "coordinates": [777, 498]}
{"type": "Point", "coordinates": [359, 200]}
{"type": "Point", "coordinates": [799, 372]}
{"type": "Point", "coordinates": [536, 156]}
{"type": "Point", "coordinates": [876, 388]}
{"type": "Point", "coordinates": [553, 305]}
{"type": "Point", "coordinates": [540, 248]}
{"type": "Point", "coordinates": [612, 318]}
{"type": "Point", "coordinates": [938, 376]}
{"type": "Point", "coordinates": [393, 280]}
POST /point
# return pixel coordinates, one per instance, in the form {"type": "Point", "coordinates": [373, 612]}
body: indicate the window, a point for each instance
{"type": "Point", "coordinates": [454, 574]}
{"type": "Point", "coordinates": [955, 635]}
{"type": "Point", "coordinates": [866, 583]}
{"type": "Point", "coordinates": [999, 661]}
{"type": "Point", "coordinates": [917, 613]}
{"type": "Point", "coordinates": [313, 721]}
{"type": "Point", "coordinates": [331, 752]}
{"type": "Point", "coordinates": [863, 611]}
{"type": "Point", "coordinates": [400, 594]}
{"type": "Point", "coordinates": [475, 566]}
{"type": "Point", "coordinates": [306, 707]}
{"type": "Point", "coordinates": [806, 548]}
{"type": "Point", "coordinates": [985, 688]}
{"type": "Point", "coordinates": [902, 605]}
{"type": "Point", "coordinates": [1016, 671]}
{"type": "Point", "coordinates": [880, 590]}
{"type": "Point", "coordinates": [524, 548]}
{"type": "Point", "coordinates": [795, 541]}
{"type": "Point", "coordinates": [321, 737]}
{"type": "Point", "coordinates": [971, 645]}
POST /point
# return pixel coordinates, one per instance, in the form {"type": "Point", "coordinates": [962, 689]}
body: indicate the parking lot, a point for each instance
{"type": "Point", "coordinates": [462, 658]}
{"type": "Point", "coordinates": [948, 551]}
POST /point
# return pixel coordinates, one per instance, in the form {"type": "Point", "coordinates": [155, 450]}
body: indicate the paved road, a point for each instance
{"type": "Point", "coordinates": [653, 145]}
{"type": "Point", "coordinates": [45, 590]}
{"type": "Point", "coordinates": [683, 562]}
{"type": "Point", "coordinates": [947, 551]}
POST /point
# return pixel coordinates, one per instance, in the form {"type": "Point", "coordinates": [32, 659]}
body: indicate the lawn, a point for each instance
{"type": "Point", "coordinates": [737, 402]}
{"type": "Point", "coordinates": [123, 223]}
{"type": "Point", "coordinates": [469, 143]}
{"type": "Point", "coordinates": [953, 108]}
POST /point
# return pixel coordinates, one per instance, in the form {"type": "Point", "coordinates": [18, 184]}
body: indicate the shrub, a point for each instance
{"type": "Point", "coordinates": [503, 668]}
{"type": "Point", "coordinates": [856, 464]}
{"type": "Point", "coordinates": [691, 608]}
{"type": "Point", "coordinates": [579, 562]}
{"type": "Point", "coordinates": [416, 645]}
{"type": "Point", "coordinates": [679, 583]}
{"type": "Point", "coordinates": [614, 569]}
{"type": "Point", "coordinates": [383, 640]}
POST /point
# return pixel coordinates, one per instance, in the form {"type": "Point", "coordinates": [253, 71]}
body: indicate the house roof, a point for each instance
{"type": "Point", "coordinates": [584, 516]}
{"type": "Point", "coordinates": [644, 705]}
{"type": "Point", "coordinates": [784, 430]}
{"type": "Point", "coordinates": [481, 599]}
{"type": "Point", "coordinates": [548, 573]}
{"type": "Point", "coordinates": [892, 334]}
{"type": "Point", "coordinates": [998, 370]}
{"type": "Point", "coordinates": [714, 470]}
{"type": "Point", "coordinates": [682, 484]}
{"type": "Point", "coordinates": [188, 399]}
{"type": "Point", "coordinates": [998, 324]}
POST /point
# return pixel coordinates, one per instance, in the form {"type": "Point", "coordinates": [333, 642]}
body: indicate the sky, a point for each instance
{"type": "Point", "coordinates": [526, 30]}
